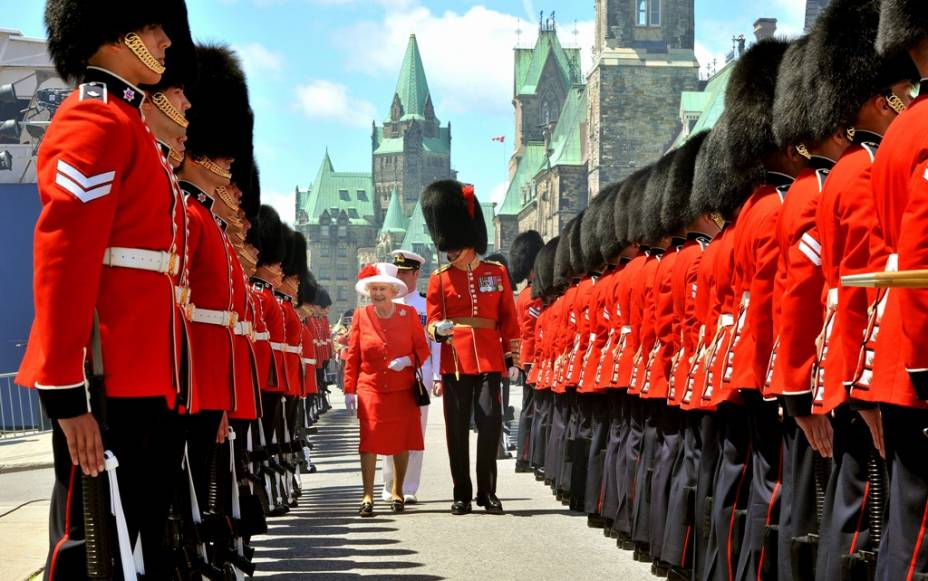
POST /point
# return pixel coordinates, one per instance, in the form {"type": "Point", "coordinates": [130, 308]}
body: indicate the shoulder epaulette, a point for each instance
{"type": "Point", "coordinates": [442, 269]}
{"type": "Point", "coordinates": [494, 263]}
{"type": "Point", "coordinates": [95, 91]}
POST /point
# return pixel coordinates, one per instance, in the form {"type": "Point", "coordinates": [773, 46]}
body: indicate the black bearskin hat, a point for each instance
{"type": "Point", "coordinates": [609, 245]}
{"type": "Point", "coordinates": [180, 60]}
{"type": "Point", "coordinates": [563, 267]}
{"type": "Point", "coordinates": [846, 67]}
{"type": "Point", "coordinates": [577, 264]}
{"type": "Point", "coordinates": [322, 298]}
{"type": "Point", "coordinates": [624, 210]}
{"type": "Point", "coordinates": [544, 270]}
{"type": "Point", "coordinates": [251, 192]}
{"type": "Point", "coordinates": [717, 185]}
{"type": "Point", "coordinates": [749, 112]}
{"type": "Point", "coordinates": [903, 23]}
{"type": "Point", "coordinates": [308, 289]}
{"type": "Point", "coordinates": [522, 254]}
{"type": "Point", "coordinates": [270, 235]}
{"type": "Point", "coordinates": [454, 217]}
{"type": "Point", "coordinates": [676, 211]}
{"type": "Point", "coordinates": [221, 121]}
{"type": "Point", "coordinates": [78, 28]}
{"type": "Point", "coordinates": [793, 100]}
{"type": "Point", "coordinates": [653, 202]}
{"type": "Point", "coordinates": [296, 264]}
{"type": "Point", "coordinates": [589, 236]}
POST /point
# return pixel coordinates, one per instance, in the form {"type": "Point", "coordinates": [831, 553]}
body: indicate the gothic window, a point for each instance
{"type": "Point", "coordinates": [342, 293]}
{"type": "Point", "coordinates": [649, 13]}
{"type": "Point", "coordinates": [342, 270]}
{"type": "Point", "coordinates": [342, 249]}
{"type": "Point", "coordinates": [546, 113]}
{"type": "Point", "coordinates": [362, 195]}
{"type": "Point", "coordinates": [324, 250]}
{"type": "Point", "coordinates": [343, 196]}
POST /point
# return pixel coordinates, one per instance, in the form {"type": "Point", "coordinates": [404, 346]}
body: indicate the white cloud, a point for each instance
{"type": "Point", "coordinates": [260, 60]}
{"type": "Point", "coordinates": [709, 61]}
{"type": "Point", "coordinates": [499, 192]}
{"type": "Point", "coordinates": [467, 55]}
{"type": "Point", "coordinates": [285, 204]}
{"type": "Point", "coordinates": [326, 100]}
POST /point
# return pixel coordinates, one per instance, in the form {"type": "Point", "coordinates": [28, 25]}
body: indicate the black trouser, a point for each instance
{"type": "Point", "coordinates": [618, 430]}
{"type": "Point", "coordinates": [904, 548]}
{"type": "Point", "coordinates": [480, 395]}
{"type": "Point", "coordinates": [679, 529]}
{"type": "Point", "coordinates": [710, 445]}
{"type": "Point", "coordinates": [599, 436]}
{"type": "Point", "coordinates": [845, 523]}
{"type": "Point", "coordinates": [644, 470]}
{"type": "Point", "coordinates": [146, 438]}
{"type": "Point", "coordinates": [554, 452]}
{"type": "Point", "coordinates": [272, 421]}
{"type": "Point", "coordinates": [669, 423]}
{"type": "Point", "coordinates": [566, 456]}
{"type": "Point", "coordinates": [201, 451]}
{"type": "Point", "coordinates": [626, 465]}
{"type": "Point", "coordinates": [525, 422]}
{"type": "Point", "coordinates": [541, 424]}
{"type": "Point", "coordinates": [798, 506]}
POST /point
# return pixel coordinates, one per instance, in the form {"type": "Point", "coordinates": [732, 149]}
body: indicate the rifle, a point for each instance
{"type": "Point", "coordinates": [98, 530]}
{"type": "Point", "coordinates": [892, 279]}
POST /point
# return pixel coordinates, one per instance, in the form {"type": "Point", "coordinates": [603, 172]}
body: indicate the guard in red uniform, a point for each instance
{"type": "Point", "coordinates": [525, 248]}
{"type": "Point", "coordinates": [108, 229]}
{"type": "Point", "coordinates": [898, 179]}
{"type": "Point", "coordinates": [472, 312]}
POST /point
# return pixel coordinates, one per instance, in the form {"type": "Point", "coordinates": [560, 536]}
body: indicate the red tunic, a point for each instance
{"type": "Point", "coordinates": [538, 355]}
{"type": "Point", "coordinates": [685, 325]}
{"type": "Point", "coordinates": [293, 354]}
{"type": "Point", "coordinates": [528, 310]}
{"type": "Point", "coordinates": [565, 339]}
{"type": "Point", "coordinates": [629, 320]}
{"type": "Point", "coordinates": [610, 327]}
{"type": "Point", "coordinates": [724, 303]}
{"type": "Point", "coordinates": [483, 293]}
{"type": "Point", "coordinates": [387, 411]}
{"type": "Point", "coordinates": [705, 315]}
{"type": "Point", "coordinates": [665, 343]}
{"type": "Point", "coordinates": [247, 393]}
{"type": "Point", "coordinates": [599, 331]}
{"type": "Point", "coordinates": [211, 345]}
{"type": "Point", "coordinates": [103, 183]}
{"type": "Point", "coordinates": [644, 299]}
{"type": "Point", "coordinates": [582, 307]}
{"type": "Point", "coordinates": [266, 315]}
{"type": "Point", "coordinates": [310, 359]}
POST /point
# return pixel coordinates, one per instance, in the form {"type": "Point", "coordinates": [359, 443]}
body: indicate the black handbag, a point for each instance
{"type": "Point", "coordinates": [420, 392]}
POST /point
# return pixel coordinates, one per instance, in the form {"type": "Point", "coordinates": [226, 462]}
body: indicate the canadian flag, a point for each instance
{"type": "Point", "coordinates": [500, 139]}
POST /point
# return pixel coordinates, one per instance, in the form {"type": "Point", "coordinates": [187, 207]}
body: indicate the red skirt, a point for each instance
{"type": "Point", "coordinates": [390, 422]}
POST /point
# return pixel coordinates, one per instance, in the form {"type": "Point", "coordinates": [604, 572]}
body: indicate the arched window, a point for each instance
{"type": "Point", "coordinates": [648, 13]}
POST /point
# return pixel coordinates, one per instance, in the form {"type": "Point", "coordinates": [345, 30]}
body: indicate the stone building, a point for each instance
{"type": "Point", "coordinates": [548, 168]}
{"type": "Point", "coordinates": [813, 9]}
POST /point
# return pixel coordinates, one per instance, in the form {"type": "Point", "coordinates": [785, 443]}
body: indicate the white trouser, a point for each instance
{"type": "Point", "coordinates": [413, 472]}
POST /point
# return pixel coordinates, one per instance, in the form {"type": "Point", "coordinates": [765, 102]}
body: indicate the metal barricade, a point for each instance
{"type": "Point", "coordinates": [21, 412]}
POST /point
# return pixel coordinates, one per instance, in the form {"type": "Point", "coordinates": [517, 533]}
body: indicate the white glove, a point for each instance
{"type": "Point", "coordinates": [513, 374]}
{"type": "Point", "coordinates": [351, 401]}
{"type": "Point", "coordinates": [444, 328]}
{"type": "Point", "coordinates": [400, 363]}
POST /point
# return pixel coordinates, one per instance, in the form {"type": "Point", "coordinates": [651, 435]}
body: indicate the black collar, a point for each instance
{"type": "Point", "coordinates": [923, 87]}
{"type": "Point", "coordinates": [282, 296]}
{"type": "Point", "coordinates": [260, 284]}
{"type": "Point", "coordinates": [623, 260]}
{"type": "Point", "coordinates": [697, 236]}
{"type": "Point", "coordinates": [818, 162]}
{"type": "Point", "coordinates": [197, 194]}
{"type": "Point", "coordinates": [116, 86]}
{"type": "Point", "coordinates": [862, 136]}
{"type": "Point", "coordinates": [778, 179]}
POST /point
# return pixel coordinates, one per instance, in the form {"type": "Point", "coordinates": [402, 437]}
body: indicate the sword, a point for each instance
{"type": "Point", "coordinates": [444, 315]}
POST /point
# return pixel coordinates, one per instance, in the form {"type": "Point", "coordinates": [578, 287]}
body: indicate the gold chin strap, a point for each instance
{"type": "Point", "coordinates": [177, 158]}
{"type": "Point", "coordinates": [895, 103]}
{"type": "Point", "coordinates": [718, 219]}
{"type": "Point", "coordinates": [213, 168]}
{"type": "Point", "coordinates": [161, 101]}
{"type": "Point", "coordinates": [851, 132]}
{"type": "Point", "coordinates": [803, 151]}
{"type": "Point", "coordinates": [138, 48]}
{"type": "Point", "coordinates": [226, 197]}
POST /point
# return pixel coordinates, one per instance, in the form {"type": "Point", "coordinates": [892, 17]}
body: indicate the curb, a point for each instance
{"type": "Point", "coordinates": [26, 467]}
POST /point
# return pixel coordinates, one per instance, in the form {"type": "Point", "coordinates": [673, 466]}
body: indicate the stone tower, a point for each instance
{"type": "Point", "coordinates": [643, 61]}
{"type": "Point", "coordinates": [411, 149]}
{"type": "Point", "coordinates": [813, 9]}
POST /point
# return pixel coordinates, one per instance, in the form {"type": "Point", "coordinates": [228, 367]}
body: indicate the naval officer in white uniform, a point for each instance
{"type": "Point", "coordinates": [408, 265]}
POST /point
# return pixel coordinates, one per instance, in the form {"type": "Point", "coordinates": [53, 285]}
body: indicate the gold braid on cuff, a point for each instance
{"type": "Point", "coordinates": [138, 48]}
{"type": "Point", "coordinates": [211, 167]}
{"type": "Point", "coordinates": [160, 101]}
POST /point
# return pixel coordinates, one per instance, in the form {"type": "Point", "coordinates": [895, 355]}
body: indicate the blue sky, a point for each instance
{"type": "Point", "coordinates": [321, 70]}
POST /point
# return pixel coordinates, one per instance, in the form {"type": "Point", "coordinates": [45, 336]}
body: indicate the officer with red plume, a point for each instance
{"type": "Point", "coordinates": [471, 311]}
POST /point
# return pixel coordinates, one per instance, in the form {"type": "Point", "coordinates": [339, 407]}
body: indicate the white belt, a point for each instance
{"type": "Point", "coordinates": [140, 259]}
{"type": "Point", "coordinates": [308, 361]}
{"type": "Point", "coordinates": [263, 336]}
{"type": "Point", "coordinates": [278, 346]}
{"type": "Point", "coordinates": [726, 320]}
{"type": "Point", "coordinates": [182, 295]}
{"type": "Point", "coordinates": [592, 337]}
{"type": "Point", "coordinates": [211, 317]}
{"type": "Point", "coordinates": [245, 328]}
{"type": "Point", "coordinates": [293, 349]}
{"type": "Point", "coordinates": [833, 298]}
{"type": "Point", "coordinates": [626, 329]}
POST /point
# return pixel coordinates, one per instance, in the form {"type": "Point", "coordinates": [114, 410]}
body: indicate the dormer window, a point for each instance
{"type": "Point", "coordinates": [649, 13]}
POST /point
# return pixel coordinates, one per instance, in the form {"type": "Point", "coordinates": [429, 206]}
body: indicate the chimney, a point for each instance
{"type": "Point", "coordinates": [765, 28]}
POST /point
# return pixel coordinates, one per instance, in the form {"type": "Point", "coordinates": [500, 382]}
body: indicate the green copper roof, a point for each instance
{"type": "Point", "coordinates": [530, 63]}
{"type": "Point", "coordinates": [417, 234]}
{"type": "Point", "coordinates": [412, 86]}
{"type": "Point", "coordinates": [532, 162]}
{"type": "Point", "coordinates": [394, 220]}
{"type": "Point", "coordinates": [566, 141]}
{"type": "Point", "coordinates": [710, 102]}
{"type": "Point", "coordinates": [334, 191]}
{"type": "Point", "coordinates": [389, 145]}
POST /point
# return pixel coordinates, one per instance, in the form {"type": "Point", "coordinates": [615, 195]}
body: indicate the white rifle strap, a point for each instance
{"type": "Point", "coordinates": [195, 514]}
{"type": "Point", "coordinates": [126, 556]}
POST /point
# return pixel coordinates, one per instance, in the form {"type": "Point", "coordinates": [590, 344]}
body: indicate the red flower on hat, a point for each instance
{"type": "Point", "coordinates": [468, 192]}
{"type": "Point", "coordinates": [368, 271]}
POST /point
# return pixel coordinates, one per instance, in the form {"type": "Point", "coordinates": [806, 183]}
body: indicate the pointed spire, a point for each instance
{"type": "Point", "coordinates": [395, 220]}
{"type": "Point", "coordinates": [412, 88]}
{"type": "Point", "coordinates": [327, 163]}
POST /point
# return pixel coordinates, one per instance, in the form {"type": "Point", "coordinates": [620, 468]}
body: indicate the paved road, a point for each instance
{"type": "Point", "coordinates": [536, 539]}
{"type": "Point", "coordinates": [24, 521]}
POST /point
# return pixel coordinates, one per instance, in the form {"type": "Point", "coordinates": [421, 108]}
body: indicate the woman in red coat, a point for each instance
{"type": "Point", "coordinates": [379, 378]}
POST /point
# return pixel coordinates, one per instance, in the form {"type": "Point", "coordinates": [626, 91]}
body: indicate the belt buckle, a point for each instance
{"type": "Point", "coordinates": [184, 297]}
{"type": "Point", "coordinates": [233, 320]}
{"type": "Point", "coordinates": [188, 311]}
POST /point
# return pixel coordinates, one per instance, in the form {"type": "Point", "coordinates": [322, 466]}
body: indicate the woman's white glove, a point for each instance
{"type": "Point", "coordinates": [351, 401]}
{"type": "Point", "coordinates": [400, 363]}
